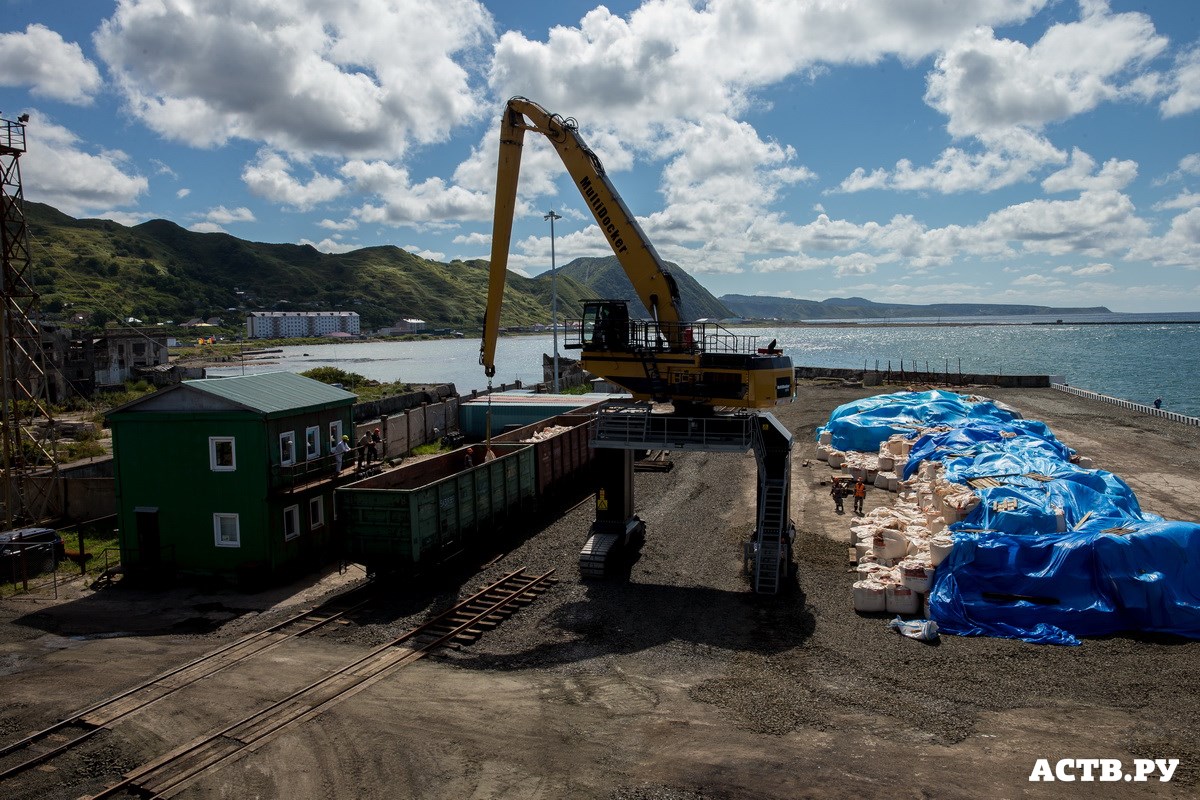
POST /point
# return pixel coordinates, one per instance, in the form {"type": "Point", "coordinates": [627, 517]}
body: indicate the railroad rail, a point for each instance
{"type": "Point", "coordinates": [104, 714]}
{"type": "Point", "coordinates": [462, 624]}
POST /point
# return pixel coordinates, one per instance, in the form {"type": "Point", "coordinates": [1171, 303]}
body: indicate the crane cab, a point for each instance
{"type": "Point", "coordinates": [695, 364]}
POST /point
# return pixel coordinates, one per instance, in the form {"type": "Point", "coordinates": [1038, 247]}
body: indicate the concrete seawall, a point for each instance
{"type": "Point", "coordinates": [1128, 404]}
{"type": "Point", "coordinates": [881, 377]}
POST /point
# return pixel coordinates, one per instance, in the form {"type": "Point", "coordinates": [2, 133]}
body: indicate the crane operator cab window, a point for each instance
{"type": "Point", "coordinates": [605, 325]}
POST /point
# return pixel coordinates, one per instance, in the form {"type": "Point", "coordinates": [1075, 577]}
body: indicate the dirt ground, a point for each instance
{"type": "Point", "coordinates": [677, 683]}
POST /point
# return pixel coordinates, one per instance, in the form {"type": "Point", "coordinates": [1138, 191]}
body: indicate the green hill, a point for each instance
{"type": "Point", "coordinates": [158, 271]}
{"type": "Point", "coordinates": [790, 309]}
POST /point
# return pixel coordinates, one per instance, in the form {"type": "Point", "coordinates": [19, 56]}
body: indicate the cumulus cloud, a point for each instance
{"type": "Point", "coordinates": [428, 255]}
{"type": "Point", "coordinates": [223, 216]}
{"type": "Point", "coordinates": [59, 171]}
{"type": "Point", "coordinates": [206, 227]}
{"type": "Point", "coordinates": [1007, 157]}
{"type": "Point", "coordinates": [334, 225]}
{"type": "Point", "coordinates": [329, 245]}
{"type": "Point", "coordinates": [271, 177]}
{"type": "Point", "coordinates": [359, 77]}
{"type": "Point", "coordinates": [1078, 174]}
{"type": "Point", "coordinates": [1184, 95]}
{"type": "Point", "coordinates": [430, 203]}
{"type": "Point", "coordinates": [983, 84]}
{"type": "Point", "coordinates": [668, 58]}
{"type": "Point", "coordinates": [52, 67]}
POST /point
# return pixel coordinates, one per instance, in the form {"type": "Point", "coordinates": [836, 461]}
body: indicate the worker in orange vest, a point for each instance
{"type": "Point", "coordinates": [860, 494]}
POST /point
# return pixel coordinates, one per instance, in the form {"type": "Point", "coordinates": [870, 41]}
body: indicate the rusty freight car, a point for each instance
{"type": "Point", "coordinates": [416, 516]}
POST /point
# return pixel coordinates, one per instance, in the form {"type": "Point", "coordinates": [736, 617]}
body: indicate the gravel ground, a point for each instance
{"type": "Point", "coordinates": [677, 682]}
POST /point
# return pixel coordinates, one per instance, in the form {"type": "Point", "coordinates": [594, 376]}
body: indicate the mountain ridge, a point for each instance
{"type": "Point", "coordinates": [160, 271]}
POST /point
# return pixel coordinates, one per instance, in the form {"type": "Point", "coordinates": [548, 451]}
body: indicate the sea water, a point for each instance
{"type": "Point", "coordinates": [1138, 362]}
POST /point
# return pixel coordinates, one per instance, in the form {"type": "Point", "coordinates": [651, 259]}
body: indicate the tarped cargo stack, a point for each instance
{"type": "Point", "coordinates": [1043, 549]}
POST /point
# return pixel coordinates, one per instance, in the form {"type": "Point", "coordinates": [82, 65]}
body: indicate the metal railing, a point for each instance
{"type": "Point", "coordinates": [632, 426]}
{"type": "Point", "coordinates": [697, 337]}
{"type": "Point", "coordinates": [1128, 404]}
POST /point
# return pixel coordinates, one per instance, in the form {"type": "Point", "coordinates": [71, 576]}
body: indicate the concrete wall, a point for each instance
{"type": "Point", "coordinates": [880, 377]}
{"type": "Point", "coordinates": [1129, 404]}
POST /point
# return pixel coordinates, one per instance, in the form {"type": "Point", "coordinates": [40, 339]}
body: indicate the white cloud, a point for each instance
{"type": "Point", "coordinates": [475, 239]}
{"type": "Point", "coordinates": [334, 225]}
{"type": "Point", "coordinates": [428, 255]}
{"type": "Point", "coordinates": [206, 227]}
{"type": "Point", "coordinates": [359, 77]}
{"type": "Point", "coordinates": [669, 58]}
{"type": "Point", "coordinates": [51, 67]}
{"type": "Point", "coordinates": [430, 203]}
{"type": "Point", "coordinates": [1185, 85]}
{"type": "Point", "coordinates": [1183, 200]}
{"type": "Point", "coordinates": [1008, 157]}
{"type": "Point", "coordinates": [126, 218]}
{"type": "Point", "coordinates": [1078, 175]}
{"type": "Point", "coordinates": [182, 193]}
{"type": "Point", "coordinates": [270, 177]}
{"type": "Point", "coordinates": [223, 216]}
{"type": "Point", "coordinates": [329, 245]}
{"type": "Point", "coordinates": [1094, 269]}
{"type": "Point", "coordinates": [1035, 279]}
{"type": "Point", "coordinates": [59, 172]}
{"type": "Point", "coordinates": [983, 84]}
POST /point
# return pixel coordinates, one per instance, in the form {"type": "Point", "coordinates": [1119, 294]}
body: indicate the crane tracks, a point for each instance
{"type": "Point", "coordinates": [461, 624]}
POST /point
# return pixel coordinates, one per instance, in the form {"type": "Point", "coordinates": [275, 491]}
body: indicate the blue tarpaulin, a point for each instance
{"type": "Point", "coordinates": [1053, 551]}
{"type": "Point", "coordinates": [865, 424]}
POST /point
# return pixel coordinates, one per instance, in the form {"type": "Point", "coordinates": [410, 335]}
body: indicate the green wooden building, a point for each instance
{"type": "Point", "coordinates": [230, 477]}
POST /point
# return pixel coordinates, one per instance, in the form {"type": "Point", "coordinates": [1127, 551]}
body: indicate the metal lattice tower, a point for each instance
{"type": "Point", "coordinates": [26, 444]}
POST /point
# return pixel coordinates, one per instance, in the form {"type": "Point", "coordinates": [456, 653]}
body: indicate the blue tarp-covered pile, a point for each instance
{"type": "Point", "coordinates": [1053, 551]}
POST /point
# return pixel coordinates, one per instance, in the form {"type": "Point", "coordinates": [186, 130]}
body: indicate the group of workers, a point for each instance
{"type": "Point", "coordinates": [367, 450]}
{"type": "Point", "coordinates": [841, 488]}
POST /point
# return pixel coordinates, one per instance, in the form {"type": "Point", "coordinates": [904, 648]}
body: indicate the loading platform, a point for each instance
{"type": "Point", "coordinates": [632, 426]}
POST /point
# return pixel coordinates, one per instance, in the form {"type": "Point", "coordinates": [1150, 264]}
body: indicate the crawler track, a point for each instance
{"type": "Point", "coordinates": [50, 742]}
{"type": "Point", "coordinates": [462, 624]}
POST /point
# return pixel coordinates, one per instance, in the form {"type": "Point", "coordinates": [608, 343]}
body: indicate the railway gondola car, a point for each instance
{"type": "Point", "coordinates": [416, 516]}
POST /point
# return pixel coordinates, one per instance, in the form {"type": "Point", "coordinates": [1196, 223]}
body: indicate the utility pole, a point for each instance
{"type": "Point", "coordinates": [553, 294]}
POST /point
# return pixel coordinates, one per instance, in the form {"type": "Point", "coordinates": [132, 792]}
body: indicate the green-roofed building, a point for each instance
{"type": "Point", "coordinates": [231, 477]}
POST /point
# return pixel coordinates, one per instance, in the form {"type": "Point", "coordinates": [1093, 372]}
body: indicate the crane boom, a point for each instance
{"type": "Point", "coordinates": [668, 358]}
{"type": "Point", "coordinates": [650, 277]}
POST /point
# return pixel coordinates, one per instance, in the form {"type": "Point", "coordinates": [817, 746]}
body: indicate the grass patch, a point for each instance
{"type": "Point", "coordinates": [97, 538]}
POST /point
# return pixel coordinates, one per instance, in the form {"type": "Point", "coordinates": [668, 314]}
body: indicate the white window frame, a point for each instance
{"type": "Point", "coordinates": [237, 530]}
{"type": "Point", "coordinates": [312, 442]}
{"type": "Point", "coordinates": [316, 512]}
{"type": "Point", "coordinates": [289, 436]}
{"type": "Point", "coordinates": [335, 434]}
{"type": "Point", "coordinates": [292, 513]}
{"type": "Point", "coordinates": [213, 441]}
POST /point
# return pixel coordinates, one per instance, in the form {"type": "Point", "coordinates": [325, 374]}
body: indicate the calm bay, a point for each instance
{"type": "Point", "coordinates": [1135, 360]}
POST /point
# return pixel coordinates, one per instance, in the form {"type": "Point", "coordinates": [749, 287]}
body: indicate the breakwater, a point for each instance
{"type": "Point", "coordinates": [941, 378]}
{"type": "Point", "coordinates": [1141, 408]}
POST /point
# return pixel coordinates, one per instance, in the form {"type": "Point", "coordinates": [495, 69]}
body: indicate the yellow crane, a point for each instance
{"type": "Point", "coordinates": [667, 357]}
{"type": "Point", "coordinates": [699, 368]}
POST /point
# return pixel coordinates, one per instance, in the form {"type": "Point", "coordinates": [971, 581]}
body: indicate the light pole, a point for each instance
{"type": "Point", "coordinates": [553, 294]}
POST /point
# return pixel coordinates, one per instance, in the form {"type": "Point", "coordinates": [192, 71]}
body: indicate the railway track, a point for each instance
{"type": "Point", "coordinates": [56, 739]}
{"type": "Point", "coordinates": [462, 624]}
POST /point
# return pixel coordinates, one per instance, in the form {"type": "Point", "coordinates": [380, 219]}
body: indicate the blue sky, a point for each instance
{"type": "Point", "coordinates": [1010, 151]}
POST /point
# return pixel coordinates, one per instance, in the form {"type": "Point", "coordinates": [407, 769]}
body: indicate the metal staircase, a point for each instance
{"type": "Point", "coordinates": [658, 387]}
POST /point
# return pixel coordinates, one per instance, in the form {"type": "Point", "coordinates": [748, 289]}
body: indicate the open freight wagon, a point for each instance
{"type": "Point", "coordinates": [411, 518]}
